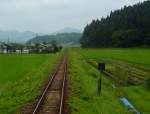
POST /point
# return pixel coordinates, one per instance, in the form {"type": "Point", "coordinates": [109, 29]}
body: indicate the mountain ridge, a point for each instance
{"type": "Point", "coordinates": [16, 36]}
{"type": "Point", "coordinates": [24, 36]}
{"type": "Point", "coordinates": [61, 38]}
{"type": "Point", "coordinates": [67, 30]}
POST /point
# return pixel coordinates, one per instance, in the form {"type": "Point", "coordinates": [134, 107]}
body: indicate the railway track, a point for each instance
{"type": "Point", "coordinates": [52, 99]}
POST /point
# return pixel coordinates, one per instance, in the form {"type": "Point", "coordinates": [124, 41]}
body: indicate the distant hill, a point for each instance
{"type": "Point", "coordinates": [22, 37]}
{"type": "Point", "coordinates": [67, 30]}
{"type": "Point", "coordinates": [63, 38]}
{"type": "Point", "coordinates": [16, 36]}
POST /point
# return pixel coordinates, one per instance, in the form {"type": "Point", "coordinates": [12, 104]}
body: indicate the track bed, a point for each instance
{"type": "Point", "coordinates": [52, 98]}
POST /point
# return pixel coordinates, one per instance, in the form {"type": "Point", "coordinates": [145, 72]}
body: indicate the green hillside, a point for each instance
{"type": "Point", "coordinates": [63, 38]}
{"type": "Point", "coordinates": [127, 27]}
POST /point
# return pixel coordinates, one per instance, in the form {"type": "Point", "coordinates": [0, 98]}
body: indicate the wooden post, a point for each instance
{"type": "Point", "coordinates": [101, 68]}
{"type": "Point", "coordinates": [100, 86]}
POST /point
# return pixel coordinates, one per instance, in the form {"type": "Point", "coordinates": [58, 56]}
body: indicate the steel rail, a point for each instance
{"type": "Point", "coordinates": [42, 98]}
{"type": "Point", "coordinates": [63, 89]}
{"type": "Point", "coordinates": [46, 90]}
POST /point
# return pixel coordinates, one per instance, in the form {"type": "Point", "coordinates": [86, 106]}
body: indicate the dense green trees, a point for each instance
{"type": "Point", "coordinates": [126, 38]}
{"type": "Point", "coordinates": [127, 27]}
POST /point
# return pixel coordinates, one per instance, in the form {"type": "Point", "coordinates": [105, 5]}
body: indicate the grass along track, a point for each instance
{"type": "Point", "coordinates": [15, 67]}
{"type": "Point", "coordinates": [52, 99]}
{"type": "Point", "coordinates": [85, 98]}
{"type": "Point", "coordinates": [21, 78]}
{"type": "Point", "coordinates": [138, 95]}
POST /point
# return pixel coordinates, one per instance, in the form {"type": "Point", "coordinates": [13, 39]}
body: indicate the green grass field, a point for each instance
{"type": "Point", "coordinates": [85, 99]}
{"type": "Point", "coordinates": [135, 56]}
{"type": "Point", "coordinates": [20, 78]}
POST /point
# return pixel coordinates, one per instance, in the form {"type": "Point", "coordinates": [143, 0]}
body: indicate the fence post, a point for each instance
{"type": "Point", "coordinates": [100, 86]}
{"type": "Point", "coordinates": [101, 68]}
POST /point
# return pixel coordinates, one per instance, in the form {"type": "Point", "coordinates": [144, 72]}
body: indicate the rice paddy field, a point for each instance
{"type": "Point", "coordinates": [136, 55]}
{"type": "Point", "coordinates": [85, 98]}
{"type": "Point", "coordinates": [21, 76]}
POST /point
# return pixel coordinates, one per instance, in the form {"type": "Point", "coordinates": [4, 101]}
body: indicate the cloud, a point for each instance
{"type": "Point", "coordinates": [51, 15]}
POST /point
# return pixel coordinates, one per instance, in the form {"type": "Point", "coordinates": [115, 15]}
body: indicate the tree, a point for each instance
{"type": "Point", "coordinates": [147, 39]}
{"type": "Point", "coordinates": [54, 43]}
{"type": "Point", "coordinates": [126, 38]}
{"type": "Point", "coordinates": [127, 27]}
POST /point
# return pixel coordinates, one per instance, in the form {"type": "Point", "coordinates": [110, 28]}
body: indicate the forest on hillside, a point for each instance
{"type": "Point", "coordinates": [62, 38]}
{"type": "Point", "coordinates": [126, 27]}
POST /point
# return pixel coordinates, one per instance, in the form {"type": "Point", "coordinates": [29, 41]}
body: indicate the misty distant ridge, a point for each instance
{"type": "Point", "coordinates": [16, 36]}
{"type": "Point", "coordinates": [61, 38]}
{"type": "Point", "coordinates": [67, 30]}
{"type": "Point", "coordinates": [22, 37]}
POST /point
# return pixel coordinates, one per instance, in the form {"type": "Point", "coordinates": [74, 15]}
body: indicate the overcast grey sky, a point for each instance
{"type": "Point", "coordinates": [51, 15]}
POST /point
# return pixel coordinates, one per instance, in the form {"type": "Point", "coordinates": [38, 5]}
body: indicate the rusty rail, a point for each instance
{"type": "Point", "coordinates": [43, 96]}
{"type": "Point", "coordinates": [63, 89]}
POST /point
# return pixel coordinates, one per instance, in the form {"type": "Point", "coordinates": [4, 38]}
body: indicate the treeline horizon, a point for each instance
{"type": "Point", "coordinates": [126, 27]}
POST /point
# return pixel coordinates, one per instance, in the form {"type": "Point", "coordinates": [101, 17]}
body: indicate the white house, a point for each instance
{"type": "Point", "coordinates": [25, 51]}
